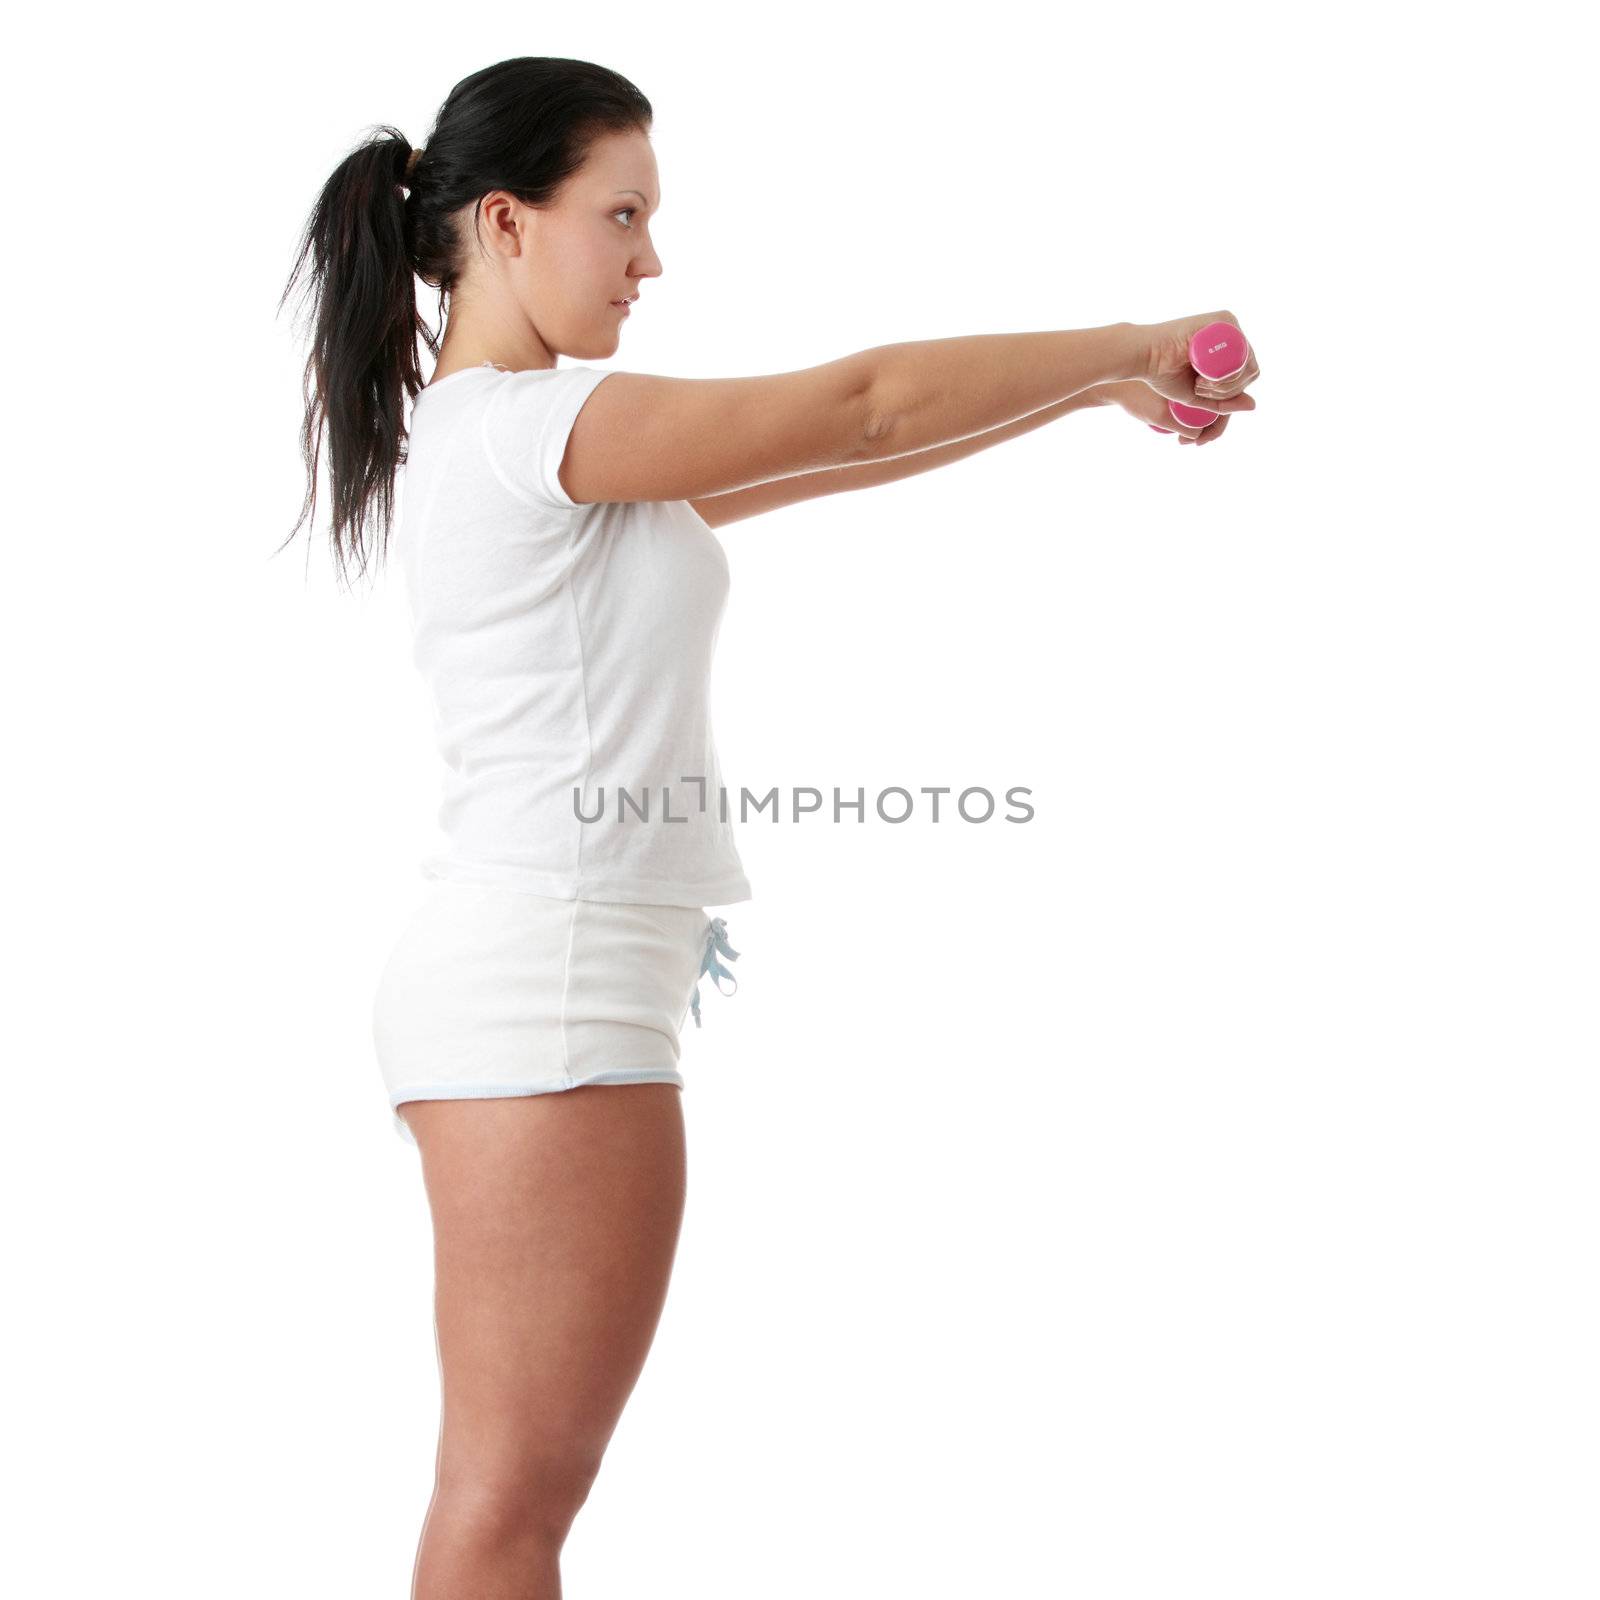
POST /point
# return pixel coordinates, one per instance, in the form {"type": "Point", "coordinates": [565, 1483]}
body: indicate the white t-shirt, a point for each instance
{"type": "Point", "coordinates": [565, 648]}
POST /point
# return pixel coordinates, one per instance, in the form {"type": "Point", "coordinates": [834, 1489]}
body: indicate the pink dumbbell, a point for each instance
{"type": "Point", "coordinates": [1216, 351]}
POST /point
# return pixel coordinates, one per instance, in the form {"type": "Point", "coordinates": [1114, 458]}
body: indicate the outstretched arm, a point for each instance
{"type": "Point", "coordinates": [718, 509]}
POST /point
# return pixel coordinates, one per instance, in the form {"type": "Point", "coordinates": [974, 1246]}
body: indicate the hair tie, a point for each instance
{"type": "Point", "coordinates": [411, 163]}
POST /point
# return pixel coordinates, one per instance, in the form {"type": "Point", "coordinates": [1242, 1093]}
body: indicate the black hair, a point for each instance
{"type": "Point", "coordinates": [526, 126]}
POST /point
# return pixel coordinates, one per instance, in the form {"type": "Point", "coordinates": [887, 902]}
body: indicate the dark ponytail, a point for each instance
{"type": "Point", "coordinates": [525, 126]}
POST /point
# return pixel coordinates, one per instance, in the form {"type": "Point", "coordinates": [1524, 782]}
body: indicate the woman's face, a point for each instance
{"type": "Point", "coordinates": [567, 263]}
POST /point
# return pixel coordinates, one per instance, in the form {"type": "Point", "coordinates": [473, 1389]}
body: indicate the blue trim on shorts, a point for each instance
{"type": "Point", "coordinates": [501, 1091]}
{"type": "Point", "coordinates": [510, 1091]}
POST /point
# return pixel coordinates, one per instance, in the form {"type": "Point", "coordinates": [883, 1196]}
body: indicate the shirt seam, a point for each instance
{"type": "Point", "coordinates": [583, 682]}
{"type": "Point", "coordinates": [547, 507]}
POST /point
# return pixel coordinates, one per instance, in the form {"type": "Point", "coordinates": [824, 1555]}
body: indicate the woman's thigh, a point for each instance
{"type": "Point", "coordinates": [556, 1219]}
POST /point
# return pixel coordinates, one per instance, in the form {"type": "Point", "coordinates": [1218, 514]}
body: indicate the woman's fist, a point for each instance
{"type": "Point", "coordinates": [1167, 373]}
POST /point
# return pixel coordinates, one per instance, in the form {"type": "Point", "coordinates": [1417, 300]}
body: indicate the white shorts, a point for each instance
{"type": "Point", "coordinates": [491, 992]}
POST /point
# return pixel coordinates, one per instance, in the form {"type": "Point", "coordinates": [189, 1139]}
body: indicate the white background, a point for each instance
{"type": "Point", "coordinates": [1189, 1192]}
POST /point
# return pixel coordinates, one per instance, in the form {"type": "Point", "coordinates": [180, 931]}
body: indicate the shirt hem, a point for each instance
{"type": "Point", "coordinates": [607, 890]}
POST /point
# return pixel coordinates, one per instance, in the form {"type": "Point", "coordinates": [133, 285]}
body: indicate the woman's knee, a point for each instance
{"type": "Point", "coordinates": [509, 1497]}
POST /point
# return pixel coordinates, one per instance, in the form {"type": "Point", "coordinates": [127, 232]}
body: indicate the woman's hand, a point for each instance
{"type": "Point", "coordinates": [1168, 375]}
{"type": "Point", "coordinates": [1141, 401]}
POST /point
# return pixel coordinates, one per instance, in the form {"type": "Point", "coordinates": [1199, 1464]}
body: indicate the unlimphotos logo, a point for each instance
{"type": "Point", "coordinates": [892, 804]}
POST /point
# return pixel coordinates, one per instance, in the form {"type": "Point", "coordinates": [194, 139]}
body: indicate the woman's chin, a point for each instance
{"type": "Point", "coordinates": [602, 345]}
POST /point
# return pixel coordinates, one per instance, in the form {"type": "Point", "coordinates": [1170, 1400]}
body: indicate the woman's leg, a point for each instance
{"type": "Point", "coordinates": [555, 1220]}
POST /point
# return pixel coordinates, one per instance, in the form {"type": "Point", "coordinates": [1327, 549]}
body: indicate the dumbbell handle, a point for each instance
{"type": "Point", "coordinates": [1217, 351]}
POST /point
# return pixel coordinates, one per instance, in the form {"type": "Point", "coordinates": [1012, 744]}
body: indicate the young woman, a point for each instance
{"type": "Point", "coordinates": [566, 591]}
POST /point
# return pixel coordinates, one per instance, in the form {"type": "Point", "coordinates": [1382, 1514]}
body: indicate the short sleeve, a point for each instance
{"type": "Point", "coordinates": [526, 424]}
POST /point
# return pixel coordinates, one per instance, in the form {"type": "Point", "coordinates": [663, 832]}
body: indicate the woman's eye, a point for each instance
{"type": "Point", "coordinates": [628, 210]}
